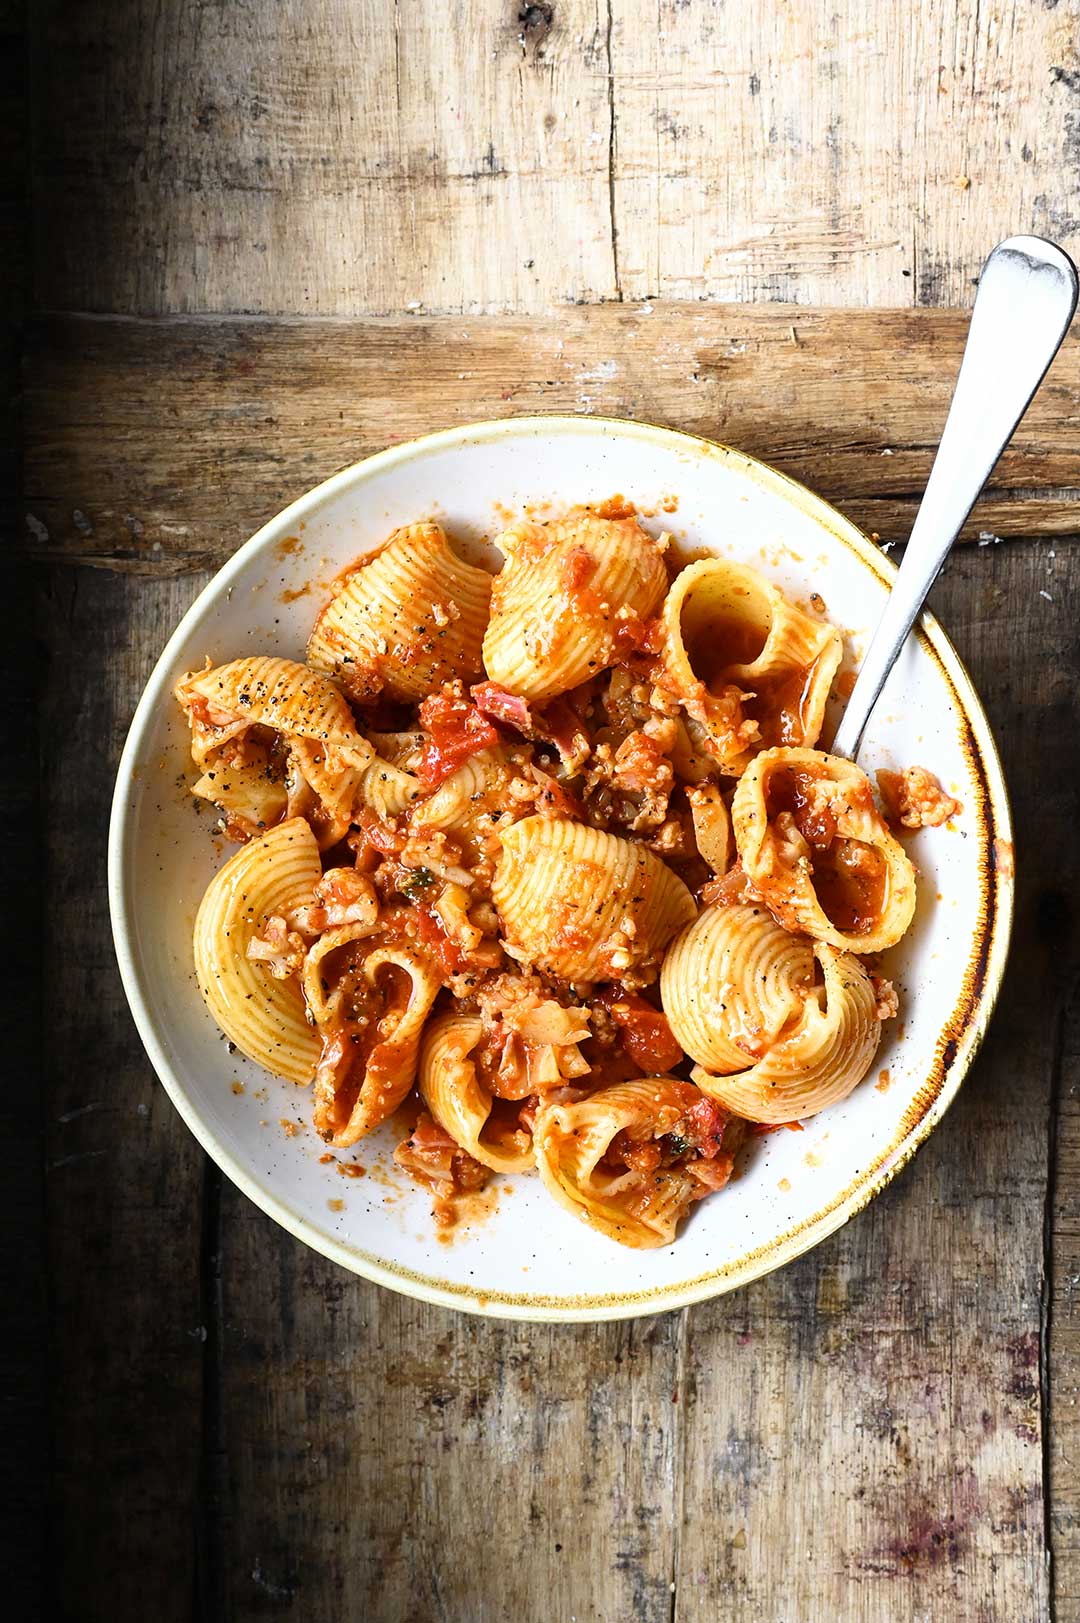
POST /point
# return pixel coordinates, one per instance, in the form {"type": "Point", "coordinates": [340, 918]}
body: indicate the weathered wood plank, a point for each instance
{"type": "Point", "coordinates": [161, 445]}
{"type": "Point", "coordinates": [313, 157]}
{"type": "Point", "coordinates": [123, 1174]}
{"type": "Point", "coordinates": [23, 1367]}
{"type": "Point", "coordinates": [866, 152]}
{"type": "Point", "coordinates": [1063, 1330]}
{"type": "Point", "coordinates": [319, 158]}
{"type": "Point", "coordinates": [371, 1439]}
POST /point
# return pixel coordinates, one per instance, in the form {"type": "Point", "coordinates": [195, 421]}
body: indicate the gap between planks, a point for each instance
{"type": "Point", "coordinates": [159, 445]}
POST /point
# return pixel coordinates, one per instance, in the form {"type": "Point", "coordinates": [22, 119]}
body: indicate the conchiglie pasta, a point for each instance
{"type": "Point", "coordinates": [370, 1014]}
{"type": "Point", "coordinates": [267, 692]}
{"type": "Point", "coordinates": [251, 792]}
{"type": "Point", "coordinates": [639, 1208]}
{"type": "Point", "coordinates": [402, 749]}
{"type": "Point", "coordinates": [460, 1103]}
{"type": "Point", "coordinates": [557, 601]}
{"type": "Point", "coordinates": [474, 803]}
{"type": "Point", "coordinates": [817, 850]}
{"type": "Point", "coordinates": [584, 904]}
{"type": "Point", "coordinates": [818, 1060]}
{"type": "Point", "coordinates": [404, 621]}
{"type": "Point", "coordinates": [731, 983]}
{"type": "Point", "coordinates": [270, 877]}
{"type": "Point", "coordinates": [386, 790]}
{"type": "Point", "coordinates": [749, 667]}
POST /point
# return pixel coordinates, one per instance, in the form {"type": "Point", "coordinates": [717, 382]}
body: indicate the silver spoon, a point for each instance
{"type": "Point", "coordinates": [1026, 298]}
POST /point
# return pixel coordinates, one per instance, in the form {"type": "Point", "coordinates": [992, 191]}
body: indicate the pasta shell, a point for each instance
{"type": "Point", "coordinates": [731, 983]}
{"type": "Point", "coordinates": [583, 904]}
{"type": "Point", "coordinates": [460, 1103]}
{"type": "Point", "coordinates": [819, 1060]}
{"type": "Point", "coordinates": [406, 620]}
{"type": "Point", "coordinates": [271, 876]}
{"type": "Point", "coordinates": [387, 790]}
{"type": "Point", "coordinates": [403, 750]}
{"type": "Point", "coordinates": [402, 986]}
{"type": "Point", "coordinates": [640, 1209]}
{"type": "Point", "coordinates": [557, 601]}
{"type": "Point", "coordinates": [473, 803]}
{"type": "Point", "coordinates": [819, 853]}
{"type": "Point", "coordinates": [250, 793]}
{"type": "Point", "coordinates": [268, 692]}
{"type": "Point", "coordinates": [750, 668]}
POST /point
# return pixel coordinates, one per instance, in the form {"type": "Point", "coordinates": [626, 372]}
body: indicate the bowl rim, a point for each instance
{"type": "Point", "coordinates": [961, 1037]}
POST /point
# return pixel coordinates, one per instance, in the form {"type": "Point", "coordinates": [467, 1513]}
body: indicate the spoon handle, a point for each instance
{"type": "Point", "coordinates": [1026, 298]}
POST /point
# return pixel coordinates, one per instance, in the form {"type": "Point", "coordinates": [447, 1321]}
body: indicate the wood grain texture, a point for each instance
{"type": "Point", "coordinates": [123, 1175]}
{"type": "Point", "coordinates": [314, 157]}
{"type": "Point", "coordinates": [309, 156]}
{"type": "Point", "coordinates": [1063, 1341]}
{"type": "Point", "coordinates": [392, 1433]}
{"type": "Point", "coordinates": [23, 1374]}
{"type": "Point", "coordinates": [865, 152]}
{"type": "Point", "coordinates": [161, 445]}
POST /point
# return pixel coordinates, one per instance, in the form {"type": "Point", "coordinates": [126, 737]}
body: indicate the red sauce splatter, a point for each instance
{"type": "Point", "coordinates": [615, 507]}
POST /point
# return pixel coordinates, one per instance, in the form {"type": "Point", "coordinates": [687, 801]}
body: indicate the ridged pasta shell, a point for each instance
{"type": "Point", "coordinates": [472, 802]}
{"type": "Point", "coordinates": [387, 790]}
{"type": "Point", "coordinates": [264, 1017]}
{"type": "Point", "coordinates": [636, 1208]}
{"type": "Point", "coordinates": [727, 628]}
{"type": "Point", "coordinates": [584, 904]}
{"type": "Point", "coordinates": [406, 620]}
{"type": "Point", "coordinates": [460, 1103]}
{"type": "Point", "coordinates": [403, 750]}
{"type": "Point", "coordinates": [346, 1108]}
{"type": "Point", "coordinates": [249, 793]}
{"type": "Point", "coordinates": [786, 871]}
{"type": "Point", "coordinates": [823, 1056]}
{"type": "Point", "coordinates": [731, 983]}
{"type": "Point", "coordinates": [276, 693]}
{"type": "Point", "coordinates": [556, 601]}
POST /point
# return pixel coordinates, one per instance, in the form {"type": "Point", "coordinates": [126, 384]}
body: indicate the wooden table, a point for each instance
{"type": "Point", "coordinates": [267, 239]}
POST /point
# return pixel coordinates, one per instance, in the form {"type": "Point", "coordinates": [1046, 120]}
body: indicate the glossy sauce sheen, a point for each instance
{"type": "Point", "coordinates": [850, 877]}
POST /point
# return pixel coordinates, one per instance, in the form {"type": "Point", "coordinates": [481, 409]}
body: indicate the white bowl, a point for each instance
{"type": "Point", "coordinates": [529, 1258]}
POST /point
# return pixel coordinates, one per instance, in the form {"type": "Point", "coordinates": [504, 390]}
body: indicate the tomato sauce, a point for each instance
{"type": "Point", "coordinates": [850, 877]}
{"type": "Point", "coordinates": [456, 730]}
{"type": "Point", "coordinates": [646, 1034]}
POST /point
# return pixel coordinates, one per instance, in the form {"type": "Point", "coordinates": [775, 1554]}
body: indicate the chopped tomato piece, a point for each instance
{"type": "Point", "coordinates": [634, 636]}
{"type": "Point", "coordinates": [456, 730]}
{"type": "Point", "coordinates": [646, 1035]}
{"type": "Point", "coordinates": [431, 935]}
{"type": "Point", "coordinates": [380, 836]}
{"type": "Point", "coordinates": [703, 1127]}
